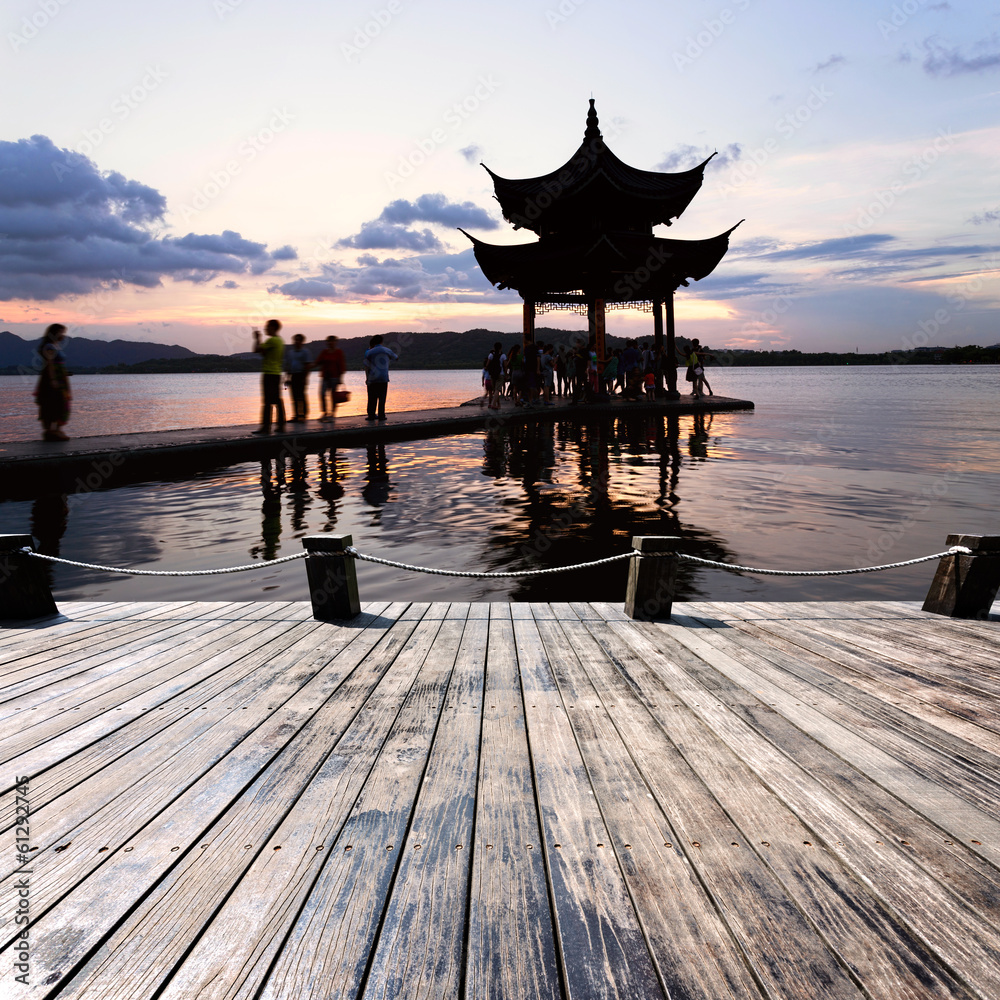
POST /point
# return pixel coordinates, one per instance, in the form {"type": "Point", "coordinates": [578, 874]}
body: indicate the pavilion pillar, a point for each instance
{"type": "Point", "coordinates": [657, 324]}
{"type": "Point", "coordinates": [599, 336]}
{"type": "Point", "coordinates": [529, 323]}
{"type": "Point", "coordinates": [670, 350]}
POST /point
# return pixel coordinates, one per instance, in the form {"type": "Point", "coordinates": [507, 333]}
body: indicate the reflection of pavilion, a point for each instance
{"type": "Point", "coordinates": [588, 520]}
{"type": "Point", "coordinates": [594, 217]}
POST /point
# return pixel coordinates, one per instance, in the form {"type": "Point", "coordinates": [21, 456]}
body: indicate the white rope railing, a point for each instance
{"type": "Point", "coordinates": [350, 550]}
{"type": "Point", "coordinates": [168, 572]}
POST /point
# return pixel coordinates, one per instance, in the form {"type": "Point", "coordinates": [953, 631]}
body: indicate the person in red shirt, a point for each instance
{"type": "Point", "coordinates": [332, 365]}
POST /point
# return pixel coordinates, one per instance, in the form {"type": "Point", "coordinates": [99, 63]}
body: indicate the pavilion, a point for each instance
{"type": "Point", "coordinates": [594, 219]}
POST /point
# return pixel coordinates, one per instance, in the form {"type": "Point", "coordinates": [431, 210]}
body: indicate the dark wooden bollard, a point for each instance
{"type": "Point", "coordinates": [24, 585]}
{"type": "Point", "coordinates": [650, 592]}
{"type": "Point", "coordinates": [333, 583]}
{"type": "Point", "coordinates": [966, 586]}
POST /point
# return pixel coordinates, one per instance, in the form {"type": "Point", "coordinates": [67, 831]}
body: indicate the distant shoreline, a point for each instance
{"type": "Point", "coordinates": [220, 365]}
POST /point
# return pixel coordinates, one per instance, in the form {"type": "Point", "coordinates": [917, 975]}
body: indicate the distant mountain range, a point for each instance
{"type": "Point", "coordinates": [415, 350]}
{"type": "Point", "coordinates": [419, 351]}
{"type": "Point", "coordinates": [17, 353]}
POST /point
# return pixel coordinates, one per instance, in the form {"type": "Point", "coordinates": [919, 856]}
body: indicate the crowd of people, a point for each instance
{"type": "Point", "coordinates": [535, 375]}
{"type": "Point", "coordinates": [531, 376]}
{"type": "Point", "coordinates": [296, 362]}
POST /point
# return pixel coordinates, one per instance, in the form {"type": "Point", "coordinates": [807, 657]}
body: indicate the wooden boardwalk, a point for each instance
{"type": "Point", "coordinates": [503, 800]}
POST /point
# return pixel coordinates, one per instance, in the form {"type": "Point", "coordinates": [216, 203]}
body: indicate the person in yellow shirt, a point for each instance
{"type": "Point", "coordinates": [272, 351]}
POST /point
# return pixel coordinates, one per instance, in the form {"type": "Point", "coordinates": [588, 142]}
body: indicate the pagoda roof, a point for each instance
{"type": "Point", "coordinates": [594, 183]}
{"type": "Point", "coordinates": [616, 266]}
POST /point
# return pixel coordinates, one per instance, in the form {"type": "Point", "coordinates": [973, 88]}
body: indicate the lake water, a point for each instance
{"type": "Point", "coordinates": [836, 467]}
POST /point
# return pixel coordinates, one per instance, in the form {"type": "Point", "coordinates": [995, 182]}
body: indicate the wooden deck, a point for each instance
{"type": "Point", "coordinates": [504, 800]}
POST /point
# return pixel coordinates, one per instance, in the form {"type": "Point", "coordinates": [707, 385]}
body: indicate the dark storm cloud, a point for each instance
{"type": "Point", "coordinates": [69, 228]}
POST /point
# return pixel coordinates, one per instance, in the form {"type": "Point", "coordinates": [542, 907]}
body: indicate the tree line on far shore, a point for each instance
{"type": "Point", "coordinates": [450, 350]}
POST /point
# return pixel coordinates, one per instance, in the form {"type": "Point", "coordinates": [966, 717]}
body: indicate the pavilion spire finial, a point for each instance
{"type": "Point", "coordinates": [592, 132]}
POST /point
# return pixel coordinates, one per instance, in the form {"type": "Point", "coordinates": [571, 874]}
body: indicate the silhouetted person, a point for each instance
{"type": "Point", "coordinates": [272, 351]}
{"type": "Point", "coordinates": [52, 392]}
{"type": "Point", "coordinates": [377, 359]}
{"type": "Point", "coordinates": [298, 362]}
{"type": "Point", "coordinates": [332, 365]}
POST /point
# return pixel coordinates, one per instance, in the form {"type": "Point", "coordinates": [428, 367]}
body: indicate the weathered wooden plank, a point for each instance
{"type": "Point", "coordinates": [963, 768]}
{"type": "Point", "coordinates": [960, 938]}
{"type": "Point", "coordinates": [942, 806]}
{"type": "Point", "coordinates": [948, 860]}
{"type": "Point", "coordinates": [327, 949]}
{"type": "Point", "coordinates": [511, 946]}
{"type": "Point", "coordinates": [67, 731]}
{"type": "Point", "coordinates": [745, 835]}
{"type": "Point", "coordinates": [288, 816]}
{"type": "Point", "coordinates": [928, 698]}
{"type": "Point", "coordinates": [69, 685]}
{"type": "Point", "coordinates": [48, 652]}
{"type": "Point", "coordinates": [67, 932]}
{"type": "Point", "coordinates": [420, 942]}
{"type": "Point", "coordinates": [604, 952]}
{"type": "Point", "coordinates": [690, 942]}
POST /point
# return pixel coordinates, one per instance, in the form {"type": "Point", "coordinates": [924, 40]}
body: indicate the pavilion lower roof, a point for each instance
{"type": "Point", "coordinates": [613, 266]}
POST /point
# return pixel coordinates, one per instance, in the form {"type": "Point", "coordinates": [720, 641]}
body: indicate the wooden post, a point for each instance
{"type": "Point", "coordinates": [650, 592]}
{"type": "Point", "coordinates": [528, 333]}
{"type": "Point", "coordinates": [24, 585]}
{"type": "Point", "coordinates": [966, 586]}
{"type": "Point", "coordinates": [657, 323]}
{"type": "Point", "coordinates": [671, 351]}
{"type": "Point", "coordinates": [333, 582]}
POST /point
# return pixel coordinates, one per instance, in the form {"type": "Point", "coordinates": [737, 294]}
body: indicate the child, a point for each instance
{"type": "Point", "coordinates": [649, 383]}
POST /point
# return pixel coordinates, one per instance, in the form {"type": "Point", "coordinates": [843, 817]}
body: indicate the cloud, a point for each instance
{"type": "Point", "coordinates": [379, 235]}
{"type": "Point", "coordinates": [69, 229]}
{"type": "Point", "coordinates": [834, 60]}
{"type": "Point", "coordinates": [943, 60]}
{"type": "Point", "coordinates": [685, 157]}
{"type": "Point", "coordinates": [993, 215]}
{"type": "Point", "coordinates": [437, 277]}
{"type": "Point", "coordinates": [391, 230]}
{"type": "Point", "coordinates": [437, 208]}
{"type": "Point", "coordinates": [228, 284]}
{"type": "Point", "coordinates": [472, 153]}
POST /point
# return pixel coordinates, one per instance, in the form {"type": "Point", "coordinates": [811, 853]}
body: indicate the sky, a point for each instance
{"type": "Point", "coordinates": [182, 172]}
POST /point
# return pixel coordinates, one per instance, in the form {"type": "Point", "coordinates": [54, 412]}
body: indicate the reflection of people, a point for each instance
{"type": "Point", "coordinates": [698, 438]}
{"type": "Point", "coordinates": [332, 366]}
{"type": "Point", "coordinates": [272, 351]}
{"type": "Point", "coordinates": [377, 359]}
{"type": "Point", "coordinates": [297, 365]}
{"type": "Point", "coordinates": [376, 491]}
{"type": "Point", "coordinates": [52, 391]}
